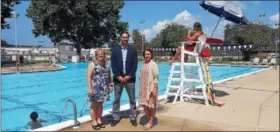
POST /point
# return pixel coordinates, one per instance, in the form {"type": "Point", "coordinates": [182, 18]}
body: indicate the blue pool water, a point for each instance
{"type": "Point", "coordinates": [46, 92]}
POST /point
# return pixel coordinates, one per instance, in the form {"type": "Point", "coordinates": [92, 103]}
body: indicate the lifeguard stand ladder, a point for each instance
{"type": "Point", "coordinates": [182, 88]}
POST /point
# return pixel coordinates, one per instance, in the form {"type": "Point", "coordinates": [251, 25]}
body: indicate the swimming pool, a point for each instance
{"type": "Point", "coordinates": [46, 92]}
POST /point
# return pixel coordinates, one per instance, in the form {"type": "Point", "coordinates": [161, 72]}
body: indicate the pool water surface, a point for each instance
{"type": "Point", "coordinates": [46, 92]}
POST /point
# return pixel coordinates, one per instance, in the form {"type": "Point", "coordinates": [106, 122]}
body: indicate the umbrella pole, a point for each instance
{"type": "Point", "coordinates": [215, 27]}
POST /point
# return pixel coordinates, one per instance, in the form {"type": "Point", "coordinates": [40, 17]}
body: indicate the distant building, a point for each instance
{"type": "Point", "coordinates": [66, 50]}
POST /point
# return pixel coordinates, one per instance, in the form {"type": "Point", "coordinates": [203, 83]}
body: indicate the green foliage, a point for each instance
{"type": "Point", "coordinates": [121, 28]}
{"type": "Point", "coordinates": [4, 43]}
{"type": "Point", "coordinates": [137, 39]}
{"type": "Point", "coordinates": [87, 23]}
{"type": "Point", "coordinates": [275, 35]}
{"type": "Point", "coordinates": [170, 36]}
{"type": "Point", "coordinates": [248, 34]}
{"type": "Point", "coordinates": [156, 41]}
{"type": "Point", "coordinates": [6, 11]}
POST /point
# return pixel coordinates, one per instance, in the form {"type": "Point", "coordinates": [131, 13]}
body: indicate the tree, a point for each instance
{"type": "Point", "coordinates": [137, 39]}
{"type": "Point", "coordinates": [248, 34]}
{"type": "Point", "coordinates": [87, 23]}
{"type": "Point", "coordinates": [156, 41]}
{"type": "Point", "coordinates": [275, 35]}
{"type": "Point", "coordinates": [6, 11]}
{"type": "Point", "coordinates": [4, 43]}
{"type": "Point", "coordinates": [170, 36]}
{"type": "Point", "coordinates": [121, 28]}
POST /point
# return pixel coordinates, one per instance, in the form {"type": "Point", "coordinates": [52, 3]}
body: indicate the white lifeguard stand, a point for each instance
{"type": "Point", "coordinates": [185, 86]}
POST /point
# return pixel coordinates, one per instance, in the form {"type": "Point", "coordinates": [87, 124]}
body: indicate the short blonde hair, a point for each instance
{"type": "Point", "coordinates": [100, 50]}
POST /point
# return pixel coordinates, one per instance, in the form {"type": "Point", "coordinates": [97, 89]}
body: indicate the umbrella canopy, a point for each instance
{"type": "Point", "coordinates": [214, 41]}
{"type": "Point", "coordinates": [226, 9]}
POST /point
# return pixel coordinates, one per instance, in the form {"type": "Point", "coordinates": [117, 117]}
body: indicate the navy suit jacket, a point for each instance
{"type": "Point", "coordinates": [117, 63]}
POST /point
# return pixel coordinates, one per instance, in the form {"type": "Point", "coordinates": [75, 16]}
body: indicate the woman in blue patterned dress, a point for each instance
{"type": "Point", "coordinates": [99, 80]}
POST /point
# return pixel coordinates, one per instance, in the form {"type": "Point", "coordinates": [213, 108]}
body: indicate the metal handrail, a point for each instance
{"type": "Point", "coordinates": [84, 107]}
{"type": "Point", "coordinates": [76, 122]}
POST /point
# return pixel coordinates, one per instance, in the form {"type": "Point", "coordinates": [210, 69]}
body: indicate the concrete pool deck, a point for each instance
{"type": "Point", "coordinates": [251, 104]}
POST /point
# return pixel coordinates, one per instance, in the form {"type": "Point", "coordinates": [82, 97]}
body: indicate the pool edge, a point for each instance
{"type": "Point", "coordinates": [25, 72]}
{"type": "Point", "coordinates": [70, 123]}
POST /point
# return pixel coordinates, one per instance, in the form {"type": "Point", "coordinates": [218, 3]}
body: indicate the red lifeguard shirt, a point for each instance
{"type": "Point", "coordinates": [192, 38]}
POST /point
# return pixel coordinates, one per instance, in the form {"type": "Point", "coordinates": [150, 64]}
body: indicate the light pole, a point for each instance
{"type": "Point", "coordinates": [15, 19]}
{"type": "Point", "coordinates": [15, 15]}
{"type": "Point", "coordinates": [142, 22]}
{"type": "Point", "coordinates": [261, 16]}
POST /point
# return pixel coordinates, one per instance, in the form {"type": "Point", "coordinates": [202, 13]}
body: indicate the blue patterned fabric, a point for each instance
{"type": "Point", "coordinates": [100, 83]}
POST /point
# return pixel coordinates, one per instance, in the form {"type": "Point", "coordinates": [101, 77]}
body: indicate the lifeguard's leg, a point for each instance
{"type": "Point", "coordinates": [177, 54]}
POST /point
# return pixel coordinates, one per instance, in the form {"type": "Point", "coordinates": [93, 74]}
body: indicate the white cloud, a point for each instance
{"type": "Point", "coordinates": [9, 20]}
{"type": "Point", "coordinates": [183, 18]}
{"type": "Point", "coordinates": [187, 19]}
{"type": "Point", "coordinates": [150, 33]}
{"type": "Point", "coordinates": [274, 18]}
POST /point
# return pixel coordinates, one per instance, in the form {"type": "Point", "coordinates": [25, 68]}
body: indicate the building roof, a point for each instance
{"type": "Point", "coordinates": [65, 42]}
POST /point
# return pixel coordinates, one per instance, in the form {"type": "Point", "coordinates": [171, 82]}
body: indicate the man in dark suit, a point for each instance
{"type": "Point", "coordinates": [124, 66]}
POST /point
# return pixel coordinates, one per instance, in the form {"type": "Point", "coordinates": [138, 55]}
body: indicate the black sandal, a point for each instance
{"type": "Point", "coordinates": [101, 125]}
{"type": "Point", "coordinates": [95, 127]}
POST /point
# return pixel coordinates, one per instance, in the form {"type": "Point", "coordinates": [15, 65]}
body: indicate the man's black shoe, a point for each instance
{"type": "Point", "coordinates": [114, 123]}
{"type": "Point", "coordinates": [133, 122]}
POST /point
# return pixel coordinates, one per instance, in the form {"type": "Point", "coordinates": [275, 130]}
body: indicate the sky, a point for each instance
{"type": "Point", "coordinates": [156, 14]}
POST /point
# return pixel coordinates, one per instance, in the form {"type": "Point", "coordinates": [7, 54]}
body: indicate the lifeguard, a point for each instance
{"type": "Point", "coordinates": [192, 36]}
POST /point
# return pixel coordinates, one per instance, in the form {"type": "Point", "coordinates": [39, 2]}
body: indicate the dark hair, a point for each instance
{"type": "Point", "coordinates": [126, 33]}
{"type": "Point", "coordinates": [148, 49]}
{"type": "Point", "coordinates": [34, 116]}
{"type": "Point", "coordinates": [197, 25]}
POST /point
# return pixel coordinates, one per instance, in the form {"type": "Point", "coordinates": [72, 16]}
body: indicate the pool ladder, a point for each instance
{"type": "Point", "coordinates": [84, 107]}
{"type": "Point", "coordinates": [76, 122]}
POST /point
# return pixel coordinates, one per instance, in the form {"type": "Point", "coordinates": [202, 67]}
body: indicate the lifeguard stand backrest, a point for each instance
{"type": "Point", "coordinates": [201, 42]}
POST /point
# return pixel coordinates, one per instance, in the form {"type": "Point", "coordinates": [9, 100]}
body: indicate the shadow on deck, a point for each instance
{"type": "Point", "coordinates": [162, 123]}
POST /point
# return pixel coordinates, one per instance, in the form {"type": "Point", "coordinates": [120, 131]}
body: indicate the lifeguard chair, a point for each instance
{"type": "Point", "coordinates": [184, 86]}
